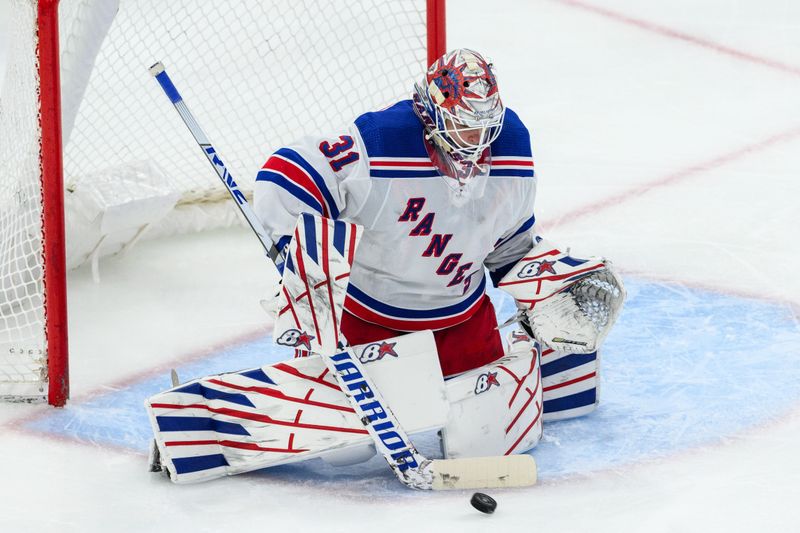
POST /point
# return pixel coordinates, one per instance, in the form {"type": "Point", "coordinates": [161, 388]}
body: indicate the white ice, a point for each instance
{"type": "Point", "coordinates": [666, 137]}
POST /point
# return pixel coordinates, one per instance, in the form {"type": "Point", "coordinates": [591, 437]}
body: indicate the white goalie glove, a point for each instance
{"type": "Point", "coordinates": [569, 304]}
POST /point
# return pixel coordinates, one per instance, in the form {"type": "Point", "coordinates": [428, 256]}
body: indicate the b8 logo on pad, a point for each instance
{"type": "Point", "coordinates": [485, 382]}
{"type": "Point", "coordinates": [376, 351]}
{"type": "Point", "coordinates": [295, 338]}
{"type": "Point", "coordinates": [537, 268]}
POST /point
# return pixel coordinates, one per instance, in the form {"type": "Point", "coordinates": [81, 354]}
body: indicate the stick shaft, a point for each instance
{"type": "Point", "coordinates": [160, 74]}
{"type": "Point", "coordinates": [391, 440]}
{"type": "Point", "coordinates": [404, 460]}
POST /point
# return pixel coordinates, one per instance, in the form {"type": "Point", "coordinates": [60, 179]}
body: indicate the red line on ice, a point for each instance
{"type": "Point", "coordinates": [676, 177]}
{"type": "Point", "coordinates": [685, 37]}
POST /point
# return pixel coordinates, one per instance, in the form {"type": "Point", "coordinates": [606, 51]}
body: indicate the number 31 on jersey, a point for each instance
{"type": "Point", "coordinates": [335, 150]}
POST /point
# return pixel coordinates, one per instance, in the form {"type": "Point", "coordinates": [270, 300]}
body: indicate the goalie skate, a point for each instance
{"type": "Point", "coordinates": [154, 457]}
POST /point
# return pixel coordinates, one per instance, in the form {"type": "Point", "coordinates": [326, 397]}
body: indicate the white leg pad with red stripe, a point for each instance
{"type": "Point", "coordinates": [496, 409]}
{"type": "Point", "coordinates": [291, 411]}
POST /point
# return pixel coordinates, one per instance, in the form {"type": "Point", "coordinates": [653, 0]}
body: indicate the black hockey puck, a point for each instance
{"type": "Point", "coordinates": [483, 502]}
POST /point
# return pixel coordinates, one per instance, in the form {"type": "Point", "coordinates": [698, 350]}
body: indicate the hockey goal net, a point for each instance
{"type": "Point", "coordinates": [257, 73]}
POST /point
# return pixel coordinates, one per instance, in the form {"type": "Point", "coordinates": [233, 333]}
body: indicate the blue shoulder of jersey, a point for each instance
{"type": "Point", "coordinates": [514, 139]}
{"type": "Point", "coordinates": [392, 132]}
{"type": "Point", "coordinates": [511, 151]}
{"type": "Point", "coordinates": [393, 139]}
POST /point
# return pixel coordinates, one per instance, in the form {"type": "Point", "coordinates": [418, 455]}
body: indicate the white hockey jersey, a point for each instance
{"type": "Point", "coordinates": [420, 264]}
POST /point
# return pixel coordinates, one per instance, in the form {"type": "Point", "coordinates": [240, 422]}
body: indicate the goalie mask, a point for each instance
{"type": "Point", "coordinates": [461, 110]}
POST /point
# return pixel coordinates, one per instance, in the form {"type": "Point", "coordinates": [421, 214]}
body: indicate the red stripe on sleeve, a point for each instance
{"type": "Point", "coordinates": [297, 175]}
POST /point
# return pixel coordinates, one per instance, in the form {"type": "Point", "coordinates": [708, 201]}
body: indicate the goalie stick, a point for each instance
{"type": "Point", "coordinates": [411, 468]}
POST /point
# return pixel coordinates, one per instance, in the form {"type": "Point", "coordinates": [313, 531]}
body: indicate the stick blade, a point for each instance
{"type": "Point", "coordinates": [483, 472]}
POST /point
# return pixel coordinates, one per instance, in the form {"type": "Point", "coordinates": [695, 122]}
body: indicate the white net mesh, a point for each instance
{"type": "Point", "coordinates": [21, 301]}
{"type": "Point", "coordinates": [256, 73]}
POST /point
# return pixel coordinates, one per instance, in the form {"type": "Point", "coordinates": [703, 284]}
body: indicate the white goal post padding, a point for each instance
{"type": "Point", "coordinates": [257, 74]}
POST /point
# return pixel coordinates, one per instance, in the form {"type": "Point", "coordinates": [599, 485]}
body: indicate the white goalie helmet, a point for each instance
{"type": "Point", "coordinates": [460, 106]}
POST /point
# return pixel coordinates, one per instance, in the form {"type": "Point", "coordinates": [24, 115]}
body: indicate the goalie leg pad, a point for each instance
{"type": "Point", "coordinates": [291, 411]}
{"type": "Point", "coordinates": [571, 384]}
{"type": "Point", "coordinates": [496, 409]}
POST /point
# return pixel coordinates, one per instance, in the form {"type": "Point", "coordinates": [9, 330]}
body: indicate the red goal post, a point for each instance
{"type": "Point", "coordinates": [80, 142]}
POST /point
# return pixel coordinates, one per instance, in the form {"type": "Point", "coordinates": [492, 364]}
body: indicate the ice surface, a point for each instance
{"type": "Point", "coordinates": [673, 156]}
{"type": "Point", "coordinates": [661, 392]}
